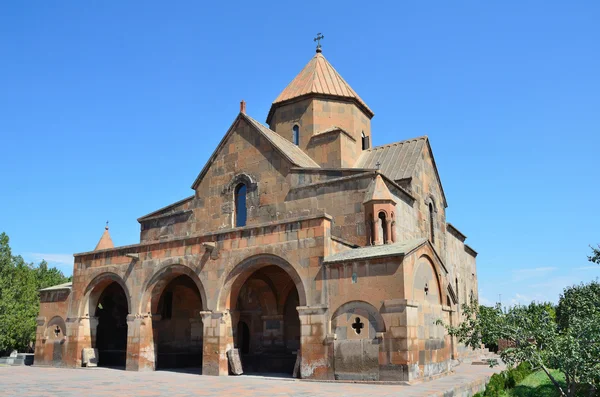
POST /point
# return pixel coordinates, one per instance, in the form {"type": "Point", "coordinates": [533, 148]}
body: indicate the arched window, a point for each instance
{"type": "Point", "coordinates": [431, 226]}
{"type": "Point", "coordinates": [240, 205]}
{"type": "Point", "coordinates": [296, 135]}
{"type": "Point", "coordinates": [365, 141]}
{"type": "Point", "coordinates": [383, 227]}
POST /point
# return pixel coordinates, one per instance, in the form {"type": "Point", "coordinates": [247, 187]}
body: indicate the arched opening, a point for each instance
{"type": "Point", "coordinates": [267, 332]}
{"type": "Point", "coordinates": [111, 332]}
{"type": "Point", "coordinates": [383, 228]}
{"type": "Point", "coordinates": [431, 225]}
{"type": "Point", "coordinates": [177, 325]}
{"type": "Point", "coordinates": [240, 205]}
{"type": "Point", "coordinates": [356, 347]}
{"type": "Point", "coordinates": [365, 141]}
{"type": "Point", "coordinates": [296, 135]}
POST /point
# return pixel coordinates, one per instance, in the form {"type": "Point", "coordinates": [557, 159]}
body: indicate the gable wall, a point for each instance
{"type": "Point", "coordinates": [461, 265]}
{"type": "Point", "coordinates": [425, 187]}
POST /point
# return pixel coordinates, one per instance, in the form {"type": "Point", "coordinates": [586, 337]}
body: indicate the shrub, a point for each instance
{"type": "Point", "coordinates": [478, 395]}
{"type": "Point", "coordinates": [496, 385]}
{"type": "Point", "coordinates": [525, 368]}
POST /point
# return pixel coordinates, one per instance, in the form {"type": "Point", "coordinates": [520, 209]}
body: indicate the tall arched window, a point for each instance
{"type": "Point", "coordinates": [383, 227]}
{"type": "Point", "coordinates": [240, 205]}
{"type": "Point", "coordinates": [296, 135]}
{"type": "Point", "coordinates": [431, 226]}
{"type": "Point", "coordinates": [365, 141]}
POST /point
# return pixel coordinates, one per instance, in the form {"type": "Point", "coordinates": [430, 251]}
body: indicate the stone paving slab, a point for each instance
{"type": "Point", "coordinates": [96, 382]}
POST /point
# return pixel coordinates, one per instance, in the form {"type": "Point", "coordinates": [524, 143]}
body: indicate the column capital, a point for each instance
{"type": "Point", "coordinates": [316, 309]}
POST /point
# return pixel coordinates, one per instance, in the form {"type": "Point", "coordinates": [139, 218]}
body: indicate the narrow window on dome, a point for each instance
{"type": "Point", "coordinates": [240, 205]}
{"type": "Point", "coordinates": [296, 135]}
{"type": "Point", "coordinates": [365, 141]}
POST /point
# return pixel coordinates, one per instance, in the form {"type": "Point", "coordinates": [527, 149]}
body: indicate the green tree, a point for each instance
{"type": "Point", "coordinates": [20, 283]}
{"type": "Point", "coordinates": [595, 257]}
{"type": "Point", "coordinates": [566, 339]}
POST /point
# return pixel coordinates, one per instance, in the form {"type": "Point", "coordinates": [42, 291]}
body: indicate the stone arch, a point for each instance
{"type": "Point", "coordinates": [241, 178]}
{"type": "Point", "coordinates": [431, 200]}
{"type": "Point", "coordinates": [228, 293]}
{"type": "Point", "coordinates": [94, 290]}
{"type": "Point", "coordinates": [56, 321]}
{"type": "Point", "coordinates": [170, 269]}
{"type": "Point", "coordinates": [284, 294]}
{"type": "Point", "coordinates": [376, 320]}
{"type": "Point", "coordinates": [425, 274]}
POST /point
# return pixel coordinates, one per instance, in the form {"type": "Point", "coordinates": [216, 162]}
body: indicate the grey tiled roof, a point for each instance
{"type": "Point", "coordinates": [287, 148]}
{"type": "Point", "coordinates": [68, 285]}
{"type": "Point", "coordinates": [398, 160]}
{"type": "Point", "coordinates": [377, 251]}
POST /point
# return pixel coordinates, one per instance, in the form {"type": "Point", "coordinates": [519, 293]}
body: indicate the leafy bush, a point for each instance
{"type": "Point", "coordinates": [496, 385]}
{"type": "Point", "coordinates": [478, 395]}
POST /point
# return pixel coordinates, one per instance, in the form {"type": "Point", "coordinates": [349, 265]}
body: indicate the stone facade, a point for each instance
{"type": "Point", "coordinates": [298, 255]}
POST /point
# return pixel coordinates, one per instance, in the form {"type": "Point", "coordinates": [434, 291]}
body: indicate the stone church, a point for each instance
{"type": "Point", "coordinates": [304, 247]}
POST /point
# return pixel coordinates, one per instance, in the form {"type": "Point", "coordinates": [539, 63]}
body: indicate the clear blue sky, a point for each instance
{"type": "Point", "coordinates": [108, 111]}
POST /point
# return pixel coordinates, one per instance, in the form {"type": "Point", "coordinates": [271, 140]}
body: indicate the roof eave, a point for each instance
{"type": "Point", "coordinates": [362, 106]}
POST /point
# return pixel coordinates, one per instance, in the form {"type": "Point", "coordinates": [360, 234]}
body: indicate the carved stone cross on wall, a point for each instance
{"type": "Point", "coordinates": [57, 331]}
{"type": "Point", "coordinates": [357, 325]}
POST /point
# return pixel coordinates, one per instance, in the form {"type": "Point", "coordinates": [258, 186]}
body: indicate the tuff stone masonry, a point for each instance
{"type": "Point", "coordinates": [303, 247]}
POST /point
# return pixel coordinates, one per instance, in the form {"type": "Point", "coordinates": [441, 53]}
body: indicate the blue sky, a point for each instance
{"type": "Point", "coordinates": [108, 111]}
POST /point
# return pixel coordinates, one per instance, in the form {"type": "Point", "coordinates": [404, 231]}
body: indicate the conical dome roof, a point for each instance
{"type": "Point", "coordinates": [319, 77]}
{"type": "Point", "coordinates": [105, 241]}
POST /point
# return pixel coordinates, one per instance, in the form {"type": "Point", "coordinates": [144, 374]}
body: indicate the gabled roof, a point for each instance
{"type": "Point", "coordinates": [105, 241]}
{"type": "Point", "coordinates": [377, 251]}
{"type": "Point", "coordinates": [319, 77]}
{"type": "Point", "coordinates": [68, 285]}
{"type": "Point", "coordinates": [287, 149]}
{"type": "Point", "coordinates": [398, 160]}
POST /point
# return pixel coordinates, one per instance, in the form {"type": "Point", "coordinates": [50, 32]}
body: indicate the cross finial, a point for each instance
{"type": "Point", "coordinates": [377, 164]}
{"type": "Point", "coordinates": [106, 227]}
{"type": "Point", "coordinates": [318, 40]}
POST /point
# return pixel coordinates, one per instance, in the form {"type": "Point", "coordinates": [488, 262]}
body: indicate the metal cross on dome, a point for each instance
{"type": "Point", "coordinates": [318, 40]}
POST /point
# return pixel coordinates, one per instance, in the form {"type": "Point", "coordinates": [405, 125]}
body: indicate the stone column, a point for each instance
{"type": "Point", "coordinates": [218, 339]}
{"type": "Point", "coordinates": [79, 336]}
{"type": "Point", "coordinates": [140, 343]}
{"type": "Point", "coordinates": [314, 358]}
{"type": "Point", "coordinates": [388, 228]}
{"type": "Point", "coordinates": [393, 231]}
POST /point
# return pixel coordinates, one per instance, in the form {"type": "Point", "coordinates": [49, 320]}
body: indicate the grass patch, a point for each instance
{"type": "Point", "coordinates": [536, 385]}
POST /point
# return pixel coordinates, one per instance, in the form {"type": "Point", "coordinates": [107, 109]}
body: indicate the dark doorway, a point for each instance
{"type": "Point", "coordinates": [111, 332]}
{"type": "Point", "coordinates": [243, 335]}
{"type": "Point", "coordinates": [268, 328]}
{"type": "Point", "coordinates": [178, 329]}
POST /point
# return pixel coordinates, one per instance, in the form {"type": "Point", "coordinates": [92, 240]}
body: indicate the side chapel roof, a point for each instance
{"type": "Point", "coordinates": [398, 160]}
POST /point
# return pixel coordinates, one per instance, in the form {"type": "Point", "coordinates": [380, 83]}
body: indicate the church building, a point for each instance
{"type": "Point", "coordinates": [303, 247]}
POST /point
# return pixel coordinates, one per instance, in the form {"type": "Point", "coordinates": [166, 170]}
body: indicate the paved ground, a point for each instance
{"type": "Point", "coordinates": [93, 382]}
